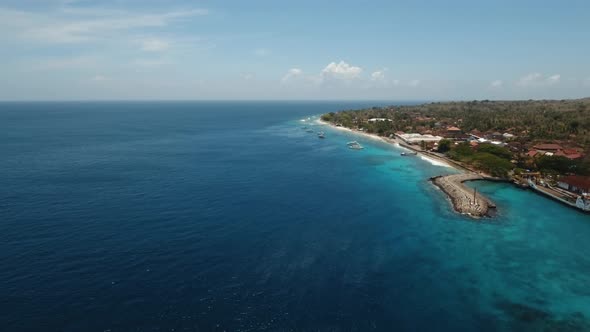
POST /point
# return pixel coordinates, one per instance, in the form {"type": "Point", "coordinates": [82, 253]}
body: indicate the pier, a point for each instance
{"type": "Point", "coordinates": [464, 199]}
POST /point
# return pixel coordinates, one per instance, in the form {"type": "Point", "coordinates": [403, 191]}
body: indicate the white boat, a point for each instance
{"type": "Point", "coordinates": [532, 184]}
{"type": "Point", "coordinates": [321, 134]}
{"type": "Point", "coordinates": [354, 145]}
{"type": "Point", "coordinates": [583, 202]}
{"type": "Point", "coordinates": [408, 153]}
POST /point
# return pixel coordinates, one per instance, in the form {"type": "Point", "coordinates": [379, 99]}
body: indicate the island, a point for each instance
{"type": "Point", "coordinates": [538, 144]}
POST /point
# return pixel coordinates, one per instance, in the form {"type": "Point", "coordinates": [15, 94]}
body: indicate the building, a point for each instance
{"type": "Point", "coordinates": [548, 147]}
{"type": "Point", "coordinates": [571, 154]}
{"type": "Point", "coordinates": [452, 132]}
{"type": "Point", "coordinates": [515, 146]}
{"type": "Point", "coordinates": [496, 136]}
{"type": "Point", "coordinates": [415, 138]}
{"type": "Point", "coordinates": [379, 120]}
{"type": "Point", "coordinates": [575, 183]}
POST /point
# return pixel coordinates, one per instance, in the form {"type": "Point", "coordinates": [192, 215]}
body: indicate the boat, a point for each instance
{"type": "Point", "coordinates": [321, 134]}
{"type": "Point", "coordinates": [408, 153]}
{"type": "Point", "coordinates": [532, 184]}
{"type": "Point", "coordinates": [583, 202]}
{"type": "Point", "coordinates": [354, 145]}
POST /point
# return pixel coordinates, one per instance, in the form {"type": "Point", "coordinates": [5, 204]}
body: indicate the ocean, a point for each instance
{"type": "Point", "coordinates": [229, 216]}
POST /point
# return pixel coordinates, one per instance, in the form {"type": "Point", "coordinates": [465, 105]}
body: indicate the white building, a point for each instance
{"type": "Point", "coordinates": [416, 138]}
{"type": "Point", "coordinates": [378, 119]}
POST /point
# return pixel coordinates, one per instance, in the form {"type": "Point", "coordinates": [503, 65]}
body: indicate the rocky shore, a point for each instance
{"type": "Point", "coordinates": [465, 200]}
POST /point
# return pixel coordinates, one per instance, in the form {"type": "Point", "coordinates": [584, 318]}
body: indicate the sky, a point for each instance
{"type": "Point", "coordinates": [294, 50]}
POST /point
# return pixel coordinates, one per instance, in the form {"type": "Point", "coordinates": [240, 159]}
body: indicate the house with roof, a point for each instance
{"type": "Point", "coordinates": [571, 154]}
{"type": "Point", "coordinates": [451, 132]}
{"type": "Point", "coordinates": [379, 120]}
{"type": "Point", "coordinates": [551, 149]}
{"type": "Point", "coordinates": [548, 147]}
{"type": "Point", "coordinates": [575, 183]}
{"type": "Point", "coordinates": [495, 136]}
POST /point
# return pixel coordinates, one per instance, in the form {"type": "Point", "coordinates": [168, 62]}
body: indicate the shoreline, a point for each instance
{"type": "Point", "coordinates": [463, 201]}
{"type": "Point", "coordinates": [397, 143]}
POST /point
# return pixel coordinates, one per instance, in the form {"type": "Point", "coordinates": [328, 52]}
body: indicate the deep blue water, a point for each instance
{"type": "Point", "coordinates": [213, 216]}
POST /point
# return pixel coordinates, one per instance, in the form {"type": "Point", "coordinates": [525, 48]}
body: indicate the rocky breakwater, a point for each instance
{"type": "Point", "coordinates": [465, 200]}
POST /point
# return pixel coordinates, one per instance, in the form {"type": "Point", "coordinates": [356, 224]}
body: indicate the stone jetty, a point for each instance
{"type": "Point", "coordinates": [465, 200]}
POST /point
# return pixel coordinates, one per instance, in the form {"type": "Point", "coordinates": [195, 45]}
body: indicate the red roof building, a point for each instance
{"type": "Point", "coordinates": [569, 154]}
{"type": "Point", "coordinates": [575, 183]}
{"type": "Point", "coordinates": [548, 147]}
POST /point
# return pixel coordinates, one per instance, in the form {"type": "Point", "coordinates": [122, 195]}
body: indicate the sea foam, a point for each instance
{"type": "Point", "coordinates": [435, 162]}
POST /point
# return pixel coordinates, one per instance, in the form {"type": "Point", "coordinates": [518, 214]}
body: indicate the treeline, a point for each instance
{"type": "Point", "coordinates": [536, 120]}
{"type": "Point", "coordinates": [500, 161]}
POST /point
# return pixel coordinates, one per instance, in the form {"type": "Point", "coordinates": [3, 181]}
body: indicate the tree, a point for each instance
{"type": "Point", "coordinates": [556, 164]}
{"type": "Point", "coordinates": [499, 151]}
{"type": "Point", "coordinates": [444, 145]}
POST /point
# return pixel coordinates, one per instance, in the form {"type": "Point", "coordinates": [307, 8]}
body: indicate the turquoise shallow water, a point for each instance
{"type": "Point", "coordinates": [215, 216]}
{"type": "Point", "coordinates": [527, 268]}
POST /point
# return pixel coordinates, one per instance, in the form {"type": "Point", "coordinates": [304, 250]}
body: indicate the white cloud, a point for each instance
{"type": "Point", "coordinates": [74, 25]}
{"type": "Point", "coordinates": [292, 73]}
{"type": "Point", "coordinates": [248, 76]}
{"type": "Point", "coordinates": [530, 79]}
{"type": "Point", "coordinates": [554, 79]}
{"type": "Point", "coordinates": [261, 52]}
{"type": "Point", "coordinates": [154, 45]}
{"type": "Point", "coordinates": [378, 76]}
{"type": "Point", "coordinates": [378, 79]}
{"type": "Point", "coordinates": [340, 71]}
{"type": "Point", "coordinates": [336, 73]}
{"type": "Point", "coordinates": [414, 83]}
{"type": "Point", "coordinates": [537, 79]}
{"type": "Point", "coordinates": [497, 84]}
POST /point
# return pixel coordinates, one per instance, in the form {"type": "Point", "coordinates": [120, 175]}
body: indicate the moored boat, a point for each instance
{"type": "Point", "coordinates": [354, 145]}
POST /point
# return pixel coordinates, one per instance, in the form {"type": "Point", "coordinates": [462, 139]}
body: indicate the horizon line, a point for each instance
{"type": "Point", "coordinates": [279, 100]}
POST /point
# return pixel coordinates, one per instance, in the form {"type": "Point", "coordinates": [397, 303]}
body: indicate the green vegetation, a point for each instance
{"type": "Point", "coordinates": [444, 145]}
{"type": "Point", "coordinates": [549, 120]}
{"type": "Point", "coordinates": [489, 158]}
{"type": "Point", "coordinates": [562, 165]}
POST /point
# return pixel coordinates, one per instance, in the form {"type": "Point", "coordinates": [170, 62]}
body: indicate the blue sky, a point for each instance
{"type": "Point", "coordinates": [392, 50]}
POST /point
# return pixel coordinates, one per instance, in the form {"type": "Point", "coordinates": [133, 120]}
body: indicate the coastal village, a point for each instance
{"type": "Point", "coordinates": [547, 151]}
